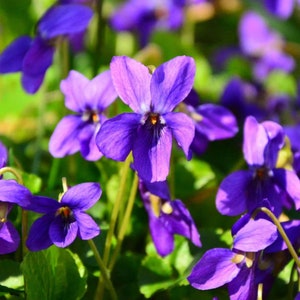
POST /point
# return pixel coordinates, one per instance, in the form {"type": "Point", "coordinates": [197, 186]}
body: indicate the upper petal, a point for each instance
{"type": "Point", "coordinates": [231, 199]}
{"type": "Point", "coordinates": [82, 196]}
{"type": "Point", "coordinates": [31, 83]}
{"type": "Point", "coordinates": [151, 153]}
{"type": "Point", "coordinates": [214, 269]}
{"type": "Point", "coordinates": [132, 82]}
{"type": "Point", "coordinates": [116, 136]}
{"type": "Point", "coordinates": [9, 238]}
{"type": "Point", "coordinates": [64, 19]}
{"type": "Point", "coordinates": [171, 82]}
{"type": "Point", "coordinates": [64, 140]}
{"type": "Point", "coordinates": [182, 128]}
{"type": "Point", "coordinates": [280, 8]}
{"type": "Point", "coordinates": [11, 59]}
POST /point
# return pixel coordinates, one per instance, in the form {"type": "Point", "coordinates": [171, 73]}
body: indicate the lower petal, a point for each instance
{"type": "Point", "coordinates": [87, 227]}
{"type": "Point", "coordinates": [9, 238]}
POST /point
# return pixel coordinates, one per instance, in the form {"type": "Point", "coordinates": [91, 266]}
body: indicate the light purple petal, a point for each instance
{"type": "Point", "coordinates": [255, 235]}
{"type": "Point", "coordinates": [255, 141]}
{"type": "Point", "coordinates": [13, 192]}
{"type": "Point", "coordinates": [82, 196]}
{"type": "Point", "coordinates": [42, 205]}
{"type": "Point", "coordinates": [231, 199]}
{"type": "Point", "coordinates": [64, 20]}
{"type": "Point", "coordinates": [216, 122]}
{"type": "Point", "coordinates": [214, 269]}
{"type": "Point", "coordinates": [38, 236]}
{"type": "Point", "coordinates": [280, 8]}
{"type": "Point", "coordinates": [9, 238]}
{"type": "Point", "coordinates": [62, 234]}
{"type": "Point", "coordinates": [64, 140]}
{"type": "Point", "coordinates": [151, 153]}
{"type": "Point", "coordinates": [73, 88]}
{"type": "Point", "coordinates": [132, 82]}
{"type": "Point", "coordinates": [289, 182]}
{"type": "Point", "coordinates": [171, 82]}
{"type": "Point", "coordinates": [87, 227]}
{"type": "Point", "coordinates": [116, 136]}
{"type": "Point", "coordinates": [182, 128]}
{"type": "Point", "coordinates": [11, 59]}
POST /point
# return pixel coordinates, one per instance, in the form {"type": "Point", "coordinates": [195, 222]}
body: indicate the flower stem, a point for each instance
{"type": "Point", "coordinates": [12, 171]}
{"type": "Point", "coordinates": [125, 222]}
{"type": "Point", "coordinates": [104, 272]}
{"type": "Point", "coordinates": [283, 234]}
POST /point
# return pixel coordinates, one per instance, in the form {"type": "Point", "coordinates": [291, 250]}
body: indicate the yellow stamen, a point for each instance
{"type": "Point", "coordinates": [155, 204]}
{"type": "Point", "coordinates": [167, 208]}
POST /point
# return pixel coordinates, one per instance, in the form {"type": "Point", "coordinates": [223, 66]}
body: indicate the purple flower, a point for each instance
{"type": "Point", "coordinates": [64, 220]}
{"type": "Point", "coordinates": [262, 44]}
{"type": "Point", "coordinates": [148, 131]}
{"type": "Point", "coordinates": [280, 8]}
{"type": "Point", "coordinates": [263, 184]}
{"type": "Point", "coordinates": [89, 99]}
{"type": "Point", "coordinates": [212, 122]}
{"type": "Point", "coordinates": [237, 267]}
{"type": "Point", "coordinates": [166, 217]}
{"type": "Point", "coordinates": [144, 17]}
{"type": "Point", "coordinates": [33, 56]}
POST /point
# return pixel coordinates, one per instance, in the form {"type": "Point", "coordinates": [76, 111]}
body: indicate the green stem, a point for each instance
{"type": "Point", "coordinates": [12, 171]}
{"type": "Point", "coordinates": [125, 222]}
{"type": "Point", "coordinates": [282, 232]}
{"type": "Point", "coordinates": [104, 272]}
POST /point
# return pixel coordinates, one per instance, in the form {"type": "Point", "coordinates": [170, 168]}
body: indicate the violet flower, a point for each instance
{"type": "Point", "coordinates": [166, 217]}
{"type": "Point", "coordinates": [88, 99]}
{"type": "Point", "coordinates": [263, 184]}
{"type": "Point", "coordinates": [33, 56]}
{"type": "Point", "coordinates": [237, 267]}
{"type": "Point", "coordinates": [212, 122]}
{"type": "Point", "coordinates": [280, 8]}
{"type": "Point", "coordinates": [11, 193]}
{"type": "Point", "coordinates": [144, 17]}
{"type": "Point", "coordinates": [148, 131]}
{"type": "Point", "coordinates": [262, 44]}
{"type": "Point", "coordinates": [64, 220]}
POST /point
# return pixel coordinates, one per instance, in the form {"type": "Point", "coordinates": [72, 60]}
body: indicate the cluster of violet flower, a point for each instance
{"type": "Point", "coordinates": [165, 107]}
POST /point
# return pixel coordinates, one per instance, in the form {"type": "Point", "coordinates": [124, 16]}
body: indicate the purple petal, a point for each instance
{"type": "Point", "coordinates": [42, 205]}
{"type": "Point", "coordinates": [30, 83]}
{"type": "Point", "coordinates": [216, 122]}
{"type": "Point", "coordinates": [13, 192]}
{"type": "Point", "coordinates": [64, 20]}
{"type": "Point", "coordinates": [255, 141]}
{"type": "Point", "coordinates": [289, 182]}
{"type": "Point", "coordinates": [9, 238]}
{"type": "Point", "coordinates": [62, 234]}
{"type": "Point", "coordinates": [214, 269]}
{"type": "Point", "coordinates": [171, 83]}
{"type": "Point", "coordinates": [231, 199]}
{"type": "Point", "coordinates": [280, 8]}
{"type": "Point", "coordinates": [3, 155]}
{"type": "Point", "coordinates": [116, 136]}
{"type": "Point", "coordinates": [255, 235]}
{"type": "Point", "coordinates": [73, 88]}
{"type": "Point", "coordinates": [132, 83]}
{"type": "Point", "coordinates": [180, 221]}
{"type": "Point", "coordinates": [182, 128]}
{"type": "Point", "coordinates": [158, 188]}
{"type": "Point", "coordinates": [162, 238]}
{"type": "Point", "coordinates": [11, 59]}
{"type": "Point", "coordinates": [200, 143]}
{"type": "Point", "coordinates": [64, 140]}
{"type": "Point", "coordinates": [82, 196]}
{"type": "Point", "coordinates": [38, 237]}
{"type": "Point", "coordinates": [87, 227]}
{"type": "Point", "coordinates": [151, 153]}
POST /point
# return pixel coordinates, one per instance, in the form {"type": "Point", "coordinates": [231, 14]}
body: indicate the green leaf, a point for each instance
{"type": "Point", "coordinates": [54, 274]}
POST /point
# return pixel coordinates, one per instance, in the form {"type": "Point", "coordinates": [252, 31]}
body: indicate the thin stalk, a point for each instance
{"type": "Point", "coordinates": [125, 222]}
{"type": "Point", "coordinates": [282, 233]}
{"type": "Point", "coordinates": [104, 272]}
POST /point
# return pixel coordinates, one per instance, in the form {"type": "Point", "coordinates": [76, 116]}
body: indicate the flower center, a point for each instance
{"type": "Point", "coordinates": [247, 257]}
{"type": "Point", "coordinates": [91, 116]}
{"type": "Point", "coordinates": [153, 118]}
{"type": "Point", "coordinates": [262, 173]}
{"type": "Point", "coordinates": [65, 212]}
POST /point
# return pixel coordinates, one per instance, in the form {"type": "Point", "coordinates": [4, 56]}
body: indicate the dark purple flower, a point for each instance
{"type": "Point", "coordinates": [237, 267]}
{"type": "Point", "coordinates": [263, 184]}
{"type": "Point", "coordinates": [89, 99]}
{"type": "Point", "coordinates": [144, 17]}
{"type": "Point", "coordinates": [280, 8]}
{"type": "Point", "coordinates": [212, 122]}
{"type": "Point", "coordinates": [263, 45]}
{"type": "Point", "coordinates": [149, 130]}
{"type": "Point", "coordinates": [166, 217]}
{"type": "Point", "coordinates": [64, 220]}
{"type": "Point", "coordinates": [33, 56]}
